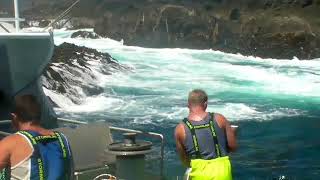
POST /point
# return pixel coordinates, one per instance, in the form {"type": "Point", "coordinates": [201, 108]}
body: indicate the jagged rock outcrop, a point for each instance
{"type": "Point", "coordinates": [73, 71]}
{"type": "Point", "coordinates": [85, 34]}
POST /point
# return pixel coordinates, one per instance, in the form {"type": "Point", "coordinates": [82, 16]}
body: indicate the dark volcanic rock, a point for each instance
{"type": "Point", "coordinates": [235, 14]}
{"type": "Point", "coordinates": [85, 34]}
{"type": "Point", "coordinates": [265, 28]}
{"type": "Point", "coordinates": [44, 23]}
{"type": "Point", "coordinates": [283, 37]}
{"type": "Point", "coordinates": [306, 3]}
{"type": "Point", "coordinates": [73, 71]}
{"type": "Point", "coordinates": [268, 29]}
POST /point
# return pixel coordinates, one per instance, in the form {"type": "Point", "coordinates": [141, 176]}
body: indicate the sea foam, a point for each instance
{"type": "Point", "coordinates": [156, 88]}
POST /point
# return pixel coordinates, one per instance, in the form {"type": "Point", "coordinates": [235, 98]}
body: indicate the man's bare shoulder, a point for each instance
{"type": "Point", "coordinates": [11, 141]}
{"type": "Point", "coordinates": [13, 138]}
{"type": "Point", "coordinates": [220, 116]}
{"type": "Point", "coordinates": [179, 128]}
{"type": "Point", "coordinates": [222, 121]}
{"type": "Point", "coordinates": [179, 131]}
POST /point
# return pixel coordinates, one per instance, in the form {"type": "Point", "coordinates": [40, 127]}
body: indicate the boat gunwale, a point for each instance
{"type": "Point", "coordinates": [26, 35]}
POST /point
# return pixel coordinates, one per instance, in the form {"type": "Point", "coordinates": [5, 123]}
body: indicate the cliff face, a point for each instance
{"type": "Point", "coordinates": [276, 29]}
{"type": "Point", "coordinates": [264, 28]}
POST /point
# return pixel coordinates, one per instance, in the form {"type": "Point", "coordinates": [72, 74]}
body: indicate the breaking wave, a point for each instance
{"type": "Point", "coordinates": [240, 87]}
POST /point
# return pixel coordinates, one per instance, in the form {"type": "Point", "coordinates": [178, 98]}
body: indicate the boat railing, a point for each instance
{"type": "Point", "coordinates": [62, 15]}
{"type": "Point", "coordinates": [148, 134]}
{"type": "Point", "coordinates": [16, 18]}
{"type": "Point", "coordinates": [2, 133]}
{"type": "Point", "coordinates": [112, 128]}
{"type": "Point", "coordinates": [5, 122]}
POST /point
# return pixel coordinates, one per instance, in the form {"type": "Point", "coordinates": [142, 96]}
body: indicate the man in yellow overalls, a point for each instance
{"type": "Point", "coordinates": [204, 140]}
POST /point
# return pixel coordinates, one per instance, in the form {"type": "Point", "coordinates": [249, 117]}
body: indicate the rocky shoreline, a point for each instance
{"type": "Point", "coordinates": [268, 29]}
{"type": "Point", "coordinates": [280, 29]}
{"type": "Point", "coordinates": [74, 71]}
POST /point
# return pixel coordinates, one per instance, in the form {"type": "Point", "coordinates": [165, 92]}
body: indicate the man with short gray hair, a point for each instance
{"type": "Point", "coordinates": [204, 140]}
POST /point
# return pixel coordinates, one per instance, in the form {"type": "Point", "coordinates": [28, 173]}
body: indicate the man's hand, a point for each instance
{"type": "Point", "coordinates": [234, 129]}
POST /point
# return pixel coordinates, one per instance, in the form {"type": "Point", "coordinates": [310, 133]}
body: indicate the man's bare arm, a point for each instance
{"type": "Point", "coordinates": [230, 133]}
{"type": "Point", "coordinates": [179, 137]}
{"type": "Point", "coordinates": [5, 146]}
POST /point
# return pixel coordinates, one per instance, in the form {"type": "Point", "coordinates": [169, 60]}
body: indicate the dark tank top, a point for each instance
{"type": "Point", "coordinates": [205, 140]}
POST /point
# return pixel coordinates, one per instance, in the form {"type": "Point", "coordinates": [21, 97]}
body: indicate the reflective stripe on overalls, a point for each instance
{"type": "Point", "coordinates": [201, 169]}
{"type": "Point", "coordinates": [35, 140]}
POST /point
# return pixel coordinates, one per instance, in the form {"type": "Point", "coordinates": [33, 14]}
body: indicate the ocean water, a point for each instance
{"type": "Point", "coordinates": [276, 103]}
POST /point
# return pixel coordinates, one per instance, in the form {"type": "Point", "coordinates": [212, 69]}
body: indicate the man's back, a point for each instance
{"type": "Point", "coordinates": [29, 148]}
{"type": "Point", "coordinates": [20, 148]}
{"type": "Point", "coordinates": [181, 135]}
{"type": "Point", "coordinates": [205, 139]}
{"type": "Point", "coordinates": [33, 152]}
{"type": "Point", "coordinates": [204, 146]}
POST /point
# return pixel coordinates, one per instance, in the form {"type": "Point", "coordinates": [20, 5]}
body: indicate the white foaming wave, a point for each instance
{"type": "Point", "coordinates": [147, 119]}
{"type": "Point", "coordinates": [170, 115]}
{"type": "Point", "coordinates": [95, 76]}
{"type": "Point", "coordinates": [235, 111]}
{"type": "Point", "coordinates": [232, 111]}
{"type": "Point", "coordinates": [61, 36]}
{"type": "Point", "coordinates": [183, 55]}
{"type": "Point", "coordinates": [281, 112]}
{"type": "Point", "coordinates": [59, 99]}
{"type": "Point", "coordinates": [155, 116]}
{"type": "Point", "coordinates": [281, 83]}
{"type": "Point", "coordinates": [270, 80]}
{"type": "Point", "coordinates": [95, 104]}
{"type": "Point", "coordinates": [241, 112]}
{"type": "Point", "coordinates": [143, 113]}
{"type": "Point", "coordinates": [64, 33]}
{"type": "Point", "coordinates": [98, 44]}
{"type": "Point", "coordinates": [91, 103]}
{"type": "Point", "coordinates": [101, 79]}
{"type": "Point", "coordinates": [105, 43]}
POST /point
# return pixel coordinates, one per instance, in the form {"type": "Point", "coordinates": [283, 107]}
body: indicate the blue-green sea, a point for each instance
{"type": "Point", "coordinates": [276, 103]}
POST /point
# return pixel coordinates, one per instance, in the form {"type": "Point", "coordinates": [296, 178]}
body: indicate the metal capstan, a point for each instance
{"type": "Point", "coordinates": [130, 156]}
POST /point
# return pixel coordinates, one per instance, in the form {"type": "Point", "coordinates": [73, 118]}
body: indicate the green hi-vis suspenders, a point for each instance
{"type": "Point", "coordinates": [39, 139]}
{"type": "Point", "coordinates": [193, 128]}
{"type": "Point", "coordinates": [5, 174]}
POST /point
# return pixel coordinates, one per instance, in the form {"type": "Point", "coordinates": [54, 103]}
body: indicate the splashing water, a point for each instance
{"type": "Point", "coordinates": [275, 102]}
